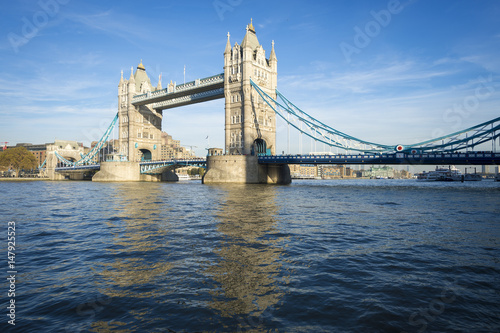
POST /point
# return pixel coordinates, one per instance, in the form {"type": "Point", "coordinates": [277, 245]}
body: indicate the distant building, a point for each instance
{"type": "Point", "coordinates": [403, 174]}
{"type": "Point", "coordinates": [379, 172]}
{"type": "Point", "coordinates": [386, 172]}
{"type": "Point", "coordinates": [38, 150]}
{"type": "Point", "coordinates": [328, 171]}
{"type": "Point", "coordinates": [303, 171]}
{"type": "Point", "coordinates": [109, 151]}
{"type": "Point", "coordinates": [172, 149]}
{"type": "Point", "coordinates": [331, 171]}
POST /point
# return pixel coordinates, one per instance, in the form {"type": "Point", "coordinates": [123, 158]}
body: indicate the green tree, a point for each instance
{"type": "Point", "coordinates": [18, 158]}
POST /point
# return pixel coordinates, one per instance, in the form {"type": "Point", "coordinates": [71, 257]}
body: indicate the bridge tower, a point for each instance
{"type": "Point", "coordinates": [250, 124]}
{"type": "Point", "coordinates": [139, 126]}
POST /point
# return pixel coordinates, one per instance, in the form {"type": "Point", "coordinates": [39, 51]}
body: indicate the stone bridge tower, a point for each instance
{"type": "Point", "coordinates": [250, 125]}
{"type": "Point", "coordinates": [139, 126]}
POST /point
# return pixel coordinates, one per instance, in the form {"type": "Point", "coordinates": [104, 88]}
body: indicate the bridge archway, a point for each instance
{"type": "Point", "coordinates": [260, 146]}
{"type": "Point", "coordinates": [145, 154]}
{"type": "Point", "coordinates": [62, 164]}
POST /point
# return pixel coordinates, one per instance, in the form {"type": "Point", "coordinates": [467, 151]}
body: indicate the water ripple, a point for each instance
{"type": "Point", "coordinates": [315, 256]}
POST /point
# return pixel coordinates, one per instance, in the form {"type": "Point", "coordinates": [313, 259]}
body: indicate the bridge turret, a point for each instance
{"type": "Point", "coordinates": [140, 126]}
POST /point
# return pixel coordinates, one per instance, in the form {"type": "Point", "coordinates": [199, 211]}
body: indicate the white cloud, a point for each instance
{"type": "Point", "coordinates": [399, 102]}
{"type": "Point", "coordinates": [365, 81]}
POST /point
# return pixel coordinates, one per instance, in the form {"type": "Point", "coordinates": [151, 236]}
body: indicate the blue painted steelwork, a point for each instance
{"type": "Point", "coordinates": [86, 159]}
{"type": "Point", "coordinates": [99, 145]}
{"type": "Point", "coordinates": [43, 164]}
{"type": "Point", "coordinates": [63, 160]}
{"type": "Point", "coordinates": [79, 168]}
{"type": "Point", "coordinates": [462, 140]}
{"type": "Point", "coordinates": [327, 134]}
{"type": "Point", "coordinates": [157, 167]}
{"type": "Point", "coordinates": [475, 158]}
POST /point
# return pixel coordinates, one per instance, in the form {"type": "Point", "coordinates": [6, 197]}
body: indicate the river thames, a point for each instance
{"type": "Point", "coordinates": [314, 256]}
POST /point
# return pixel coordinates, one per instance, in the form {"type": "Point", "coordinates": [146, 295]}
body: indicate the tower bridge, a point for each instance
{"type": "Point", "coordinates": [248, 84]}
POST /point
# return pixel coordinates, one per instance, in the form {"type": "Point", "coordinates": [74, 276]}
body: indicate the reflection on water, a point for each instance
{"type": "Point", "coordinates": [132, 265]}
{"type": "Point", "coordinates": [210, 247]}
{"type": "Point", "coordinates": [134, 236]}
{"type": "Point", "coordinates": [248, 262]}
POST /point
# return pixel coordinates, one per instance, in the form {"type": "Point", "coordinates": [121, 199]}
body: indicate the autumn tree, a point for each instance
{"type": "Point", "coordinates": [18, 158]}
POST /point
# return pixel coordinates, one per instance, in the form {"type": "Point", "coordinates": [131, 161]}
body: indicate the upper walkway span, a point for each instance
{"type": "Point", "coordinates": [200, 90]}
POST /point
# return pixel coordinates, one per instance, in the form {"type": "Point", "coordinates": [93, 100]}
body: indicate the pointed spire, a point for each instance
{"type": "Point", "coordinates": [250, 26]}
{"type": "Point", "coordinates": [131, 75]}
{"type": "Point", "coordinates": [250, 39]}
{"type": "Point", "coordinates": [141, 66]}
{"type": "Point", "coordinates": [121, 76]}
{"type": "Point", "coordinates": [273, 54]}
{"type": "Point", "coordinates": [228, 45]}
{"type": "Point", "coordinates": [158, 87]}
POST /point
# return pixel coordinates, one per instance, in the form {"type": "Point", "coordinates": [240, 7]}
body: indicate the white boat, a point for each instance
{"type": "Point", "coordinates": [442, 174]}
{"type": "Point", "coordinates": [183, 176]}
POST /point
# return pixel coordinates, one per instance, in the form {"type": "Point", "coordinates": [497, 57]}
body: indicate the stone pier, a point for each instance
{"type": "Point", "coordinates": [123, 172]}
{"type": "Point", "coordinates": [244, 169]}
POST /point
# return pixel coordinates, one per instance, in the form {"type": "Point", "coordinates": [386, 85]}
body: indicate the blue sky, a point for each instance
{"type": "Point", "coordinates": [385, 71]}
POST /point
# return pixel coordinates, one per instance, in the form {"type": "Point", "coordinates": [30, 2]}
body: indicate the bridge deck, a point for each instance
{"type": "Point", "coordinates": [398, 158]}
{"type": "Point", "coordinates": [157, 167]}
{"type": "Point", "coordinates": [78, 168]}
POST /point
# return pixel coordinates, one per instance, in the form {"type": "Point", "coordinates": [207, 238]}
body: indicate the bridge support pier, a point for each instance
{"type": "Point", "coordinates": [123, 172]}
{"type": "Point", "coordinates": [244, 169]}
{"type": "Point", "coordinates": [53, 175]}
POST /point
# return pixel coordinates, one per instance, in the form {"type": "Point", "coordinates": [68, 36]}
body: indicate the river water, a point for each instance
{"type": "Point", "coordinates": [314, 256]}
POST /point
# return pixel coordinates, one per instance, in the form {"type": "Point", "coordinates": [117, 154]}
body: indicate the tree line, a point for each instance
{"type": "Point", "coordinates": [17, 159]}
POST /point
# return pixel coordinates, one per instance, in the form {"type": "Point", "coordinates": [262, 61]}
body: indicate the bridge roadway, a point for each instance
{"type": "Point", "coordinates": [156, 167]}
{"type": "Point", "coordinates": [146, 167]}
{"type": "Point", "coordinates": [475, 158]}
{"type": "Point", "coordinates": [78, 168]}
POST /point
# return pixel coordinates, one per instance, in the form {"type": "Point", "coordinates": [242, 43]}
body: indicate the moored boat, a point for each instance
{"type": "Point", "coordinates": [183, 176]}
{"type": "Point", "coordinates": [473, 177]}
{"type": "Point", "coordinates": [442, 174]}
